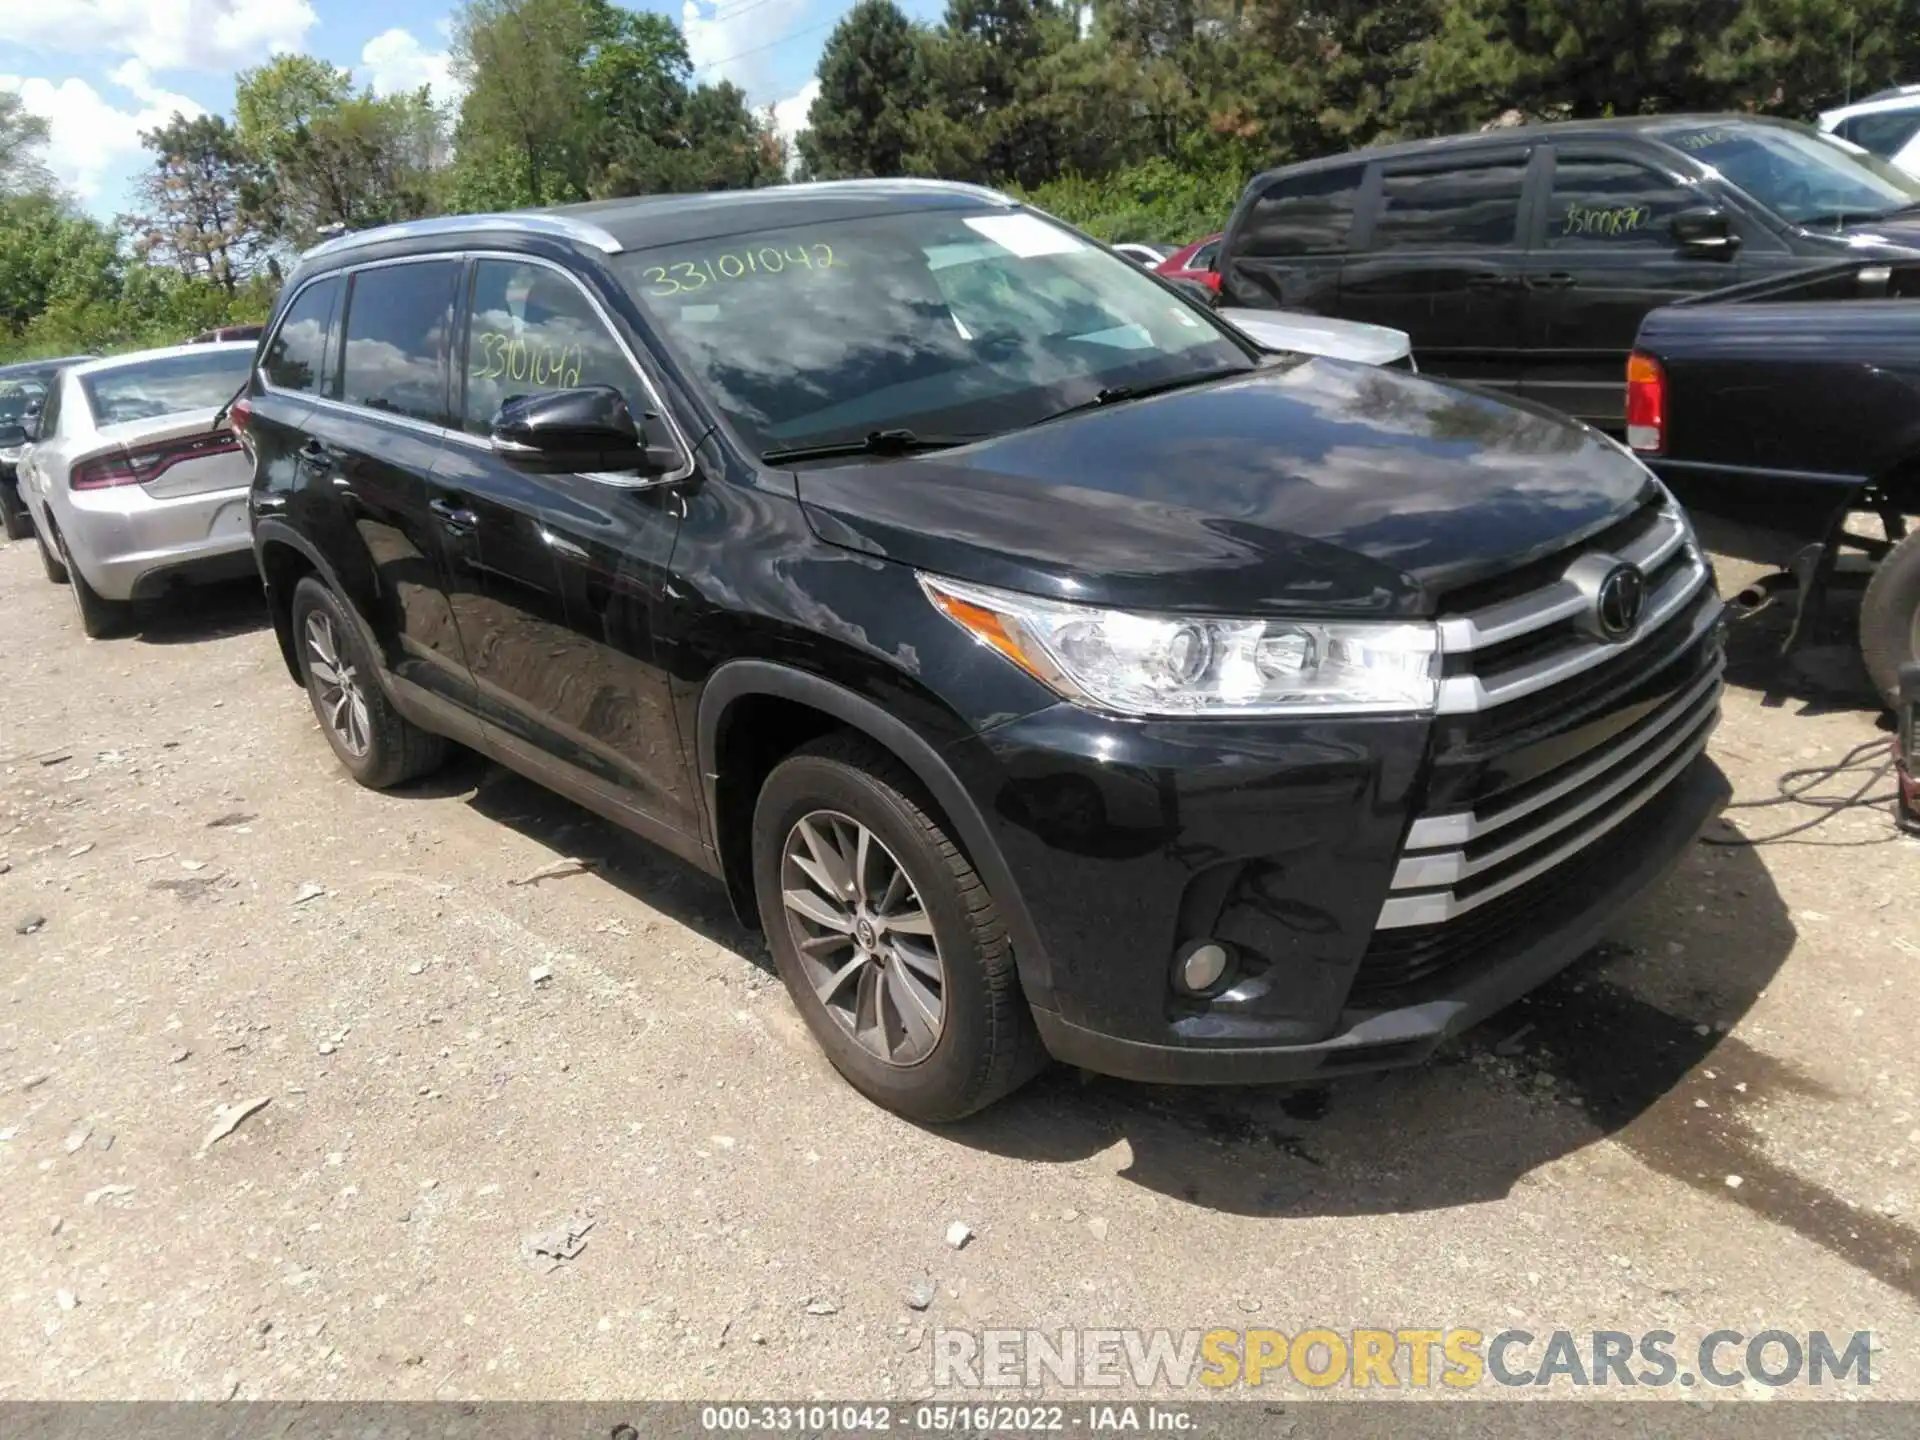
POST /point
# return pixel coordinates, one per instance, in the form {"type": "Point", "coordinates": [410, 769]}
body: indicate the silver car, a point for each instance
{"type": "Point", "coordinates": [135, 481]}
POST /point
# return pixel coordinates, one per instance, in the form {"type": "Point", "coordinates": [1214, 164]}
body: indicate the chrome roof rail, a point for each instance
{"type": "Point", "coordinates": [560, 227]}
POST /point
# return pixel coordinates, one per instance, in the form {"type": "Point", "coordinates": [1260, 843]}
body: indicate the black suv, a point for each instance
{"type": "Point", "coordinates": [1525, 259]}
{"type": "Point", "coordinates": [1045, 669]}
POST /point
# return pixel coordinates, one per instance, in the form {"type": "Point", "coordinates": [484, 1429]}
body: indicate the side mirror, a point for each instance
{"type": "Point", "coordinates": [587, 428]}
{"type": "Point", "coordinates": [1706, 232]}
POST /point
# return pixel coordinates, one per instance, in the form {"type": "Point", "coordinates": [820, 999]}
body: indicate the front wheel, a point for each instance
{"type": "Point", "coordinates": [1890, 618]}
{"type": "Point", "coordinates": [886, 937]}
{"type": "Point", "coordinates": [378, 745]}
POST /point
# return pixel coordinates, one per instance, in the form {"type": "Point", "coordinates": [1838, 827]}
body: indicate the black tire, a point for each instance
{"type": "Point", "coordinates": [395, 749]}
{"type": "Point", "coordinates": [51, 563]}
{"type": "Point", "coordinates": [100, 618]}
{"type": "Point", "coordinates": [987, 1045]}
{"type": "Point", "coordinates": [14, 518]}
{"type": "Point", "coordinates": [1890, 618]}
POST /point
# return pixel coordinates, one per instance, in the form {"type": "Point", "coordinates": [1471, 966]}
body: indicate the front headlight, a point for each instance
{"type": "Point", "coordinates": [1142, 664]}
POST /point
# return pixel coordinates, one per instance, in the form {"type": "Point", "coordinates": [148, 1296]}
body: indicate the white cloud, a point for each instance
{"type": "Point", "coordinates": [394, 61]}
{"type": "Point", "coordinates": [161, 34]}
{"type": "Point", "coordinates": [92, 139]}
{"type": "Point", "coordinates": [790, 114]}
{"type": "Point", "coordinates": [740, 40]}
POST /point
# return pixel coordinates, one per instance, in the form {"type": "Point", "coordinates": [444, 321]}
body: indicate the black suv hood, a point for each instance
{"type": "Point", "coordinates": [1315, 487]}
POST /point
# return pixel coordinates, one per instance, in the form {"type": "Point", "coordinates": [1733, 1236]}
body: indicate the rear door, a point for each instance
{"type": "Point", "coordinates": [1287, 245]}
{"type": "Point", "coordinates": [556, 577]}
{"type": "Point", "coordinates": [367, 451]}
{"type": "Point", "coordinates": [1438, 255]}
{"type": "Point", "coordinates": [1602, 258]}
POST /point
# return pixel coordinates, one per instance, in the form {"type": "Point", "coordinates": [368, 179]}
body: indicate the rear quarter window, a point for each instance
{"type": "Point", "coordinates": [296, 356]}
{"type": "Point", "coordinates": [1308, 214]}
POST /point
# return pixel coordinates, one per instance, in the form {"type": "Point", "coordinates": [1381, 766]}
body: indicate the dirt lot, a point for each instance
{"type": "Point", "coordinates": [1713, 1122]}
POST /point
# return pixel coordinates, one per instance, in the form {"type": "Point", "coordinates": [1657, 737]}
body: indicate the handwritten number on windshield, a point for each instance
{"type": "Point", "coordinates": [686, 276]}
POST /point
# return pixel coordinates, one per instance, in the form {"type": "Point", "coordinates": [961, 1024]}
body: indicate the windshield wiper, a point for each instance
{"type": "Point", "coordinates": [876, 442]}
{"type": "Point", "coordinates": [232, 400]}
{"type": "Point", "coordinates": [1115, 394]}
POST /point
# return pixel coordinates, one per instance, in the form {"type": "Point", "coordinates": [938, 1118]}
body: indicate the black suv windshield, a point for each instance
{"type": "Point", "coordinates": [1804, 176]}
{"type": "Point", "coordinates": [936, 322]}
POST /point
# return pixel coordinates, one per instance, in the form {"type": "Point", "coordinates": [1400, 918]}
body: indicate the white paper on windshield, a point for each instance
{"type": "Point", "coordinates": [1027, 236]}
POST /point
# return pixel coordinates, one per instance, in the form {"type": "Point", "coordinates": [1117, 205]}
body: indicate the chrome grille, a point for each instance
{"type": "Point", "coordinates": [1493, 841]}
{"type": "Point", "coordinates": [1662, 551]}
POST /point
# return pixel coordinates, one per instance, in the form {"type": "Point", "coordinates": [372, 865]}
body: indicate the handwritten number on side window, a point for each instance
{"type": "Point", "coordinates": [514, 357]}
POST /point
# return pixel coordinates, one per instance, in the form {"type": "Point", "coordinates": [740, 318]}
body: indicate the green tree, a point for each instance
{"type": "Point", "coordinates": [51, 254]}
{"type": "Point", "coordinates": [873, 86]}
{"type": "Point", "coordinates": [326, 156]}
{"type": "Point", "coordinates": [527, 130]}
{"type": "Point", "coordinates": [194, 218]}
{"type": "Point", "coordinates": [23, 136]}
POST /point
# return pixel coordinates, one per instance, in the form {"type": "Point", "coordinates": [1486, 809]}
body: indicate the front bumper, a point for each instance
{"type": "Point", "coordinates": [1409, 1034]}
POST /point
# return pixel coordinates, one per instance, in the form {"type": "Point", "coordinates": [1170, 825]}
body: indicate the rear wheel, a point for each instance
{"type": "Point", "coordinates": [51, 563]}
{"type": "Point", "coordinates": [378, 745]}
{"type": "Point", "coordinates": [1890, 618]}
{"type": "Point", "coordinates": [886, 937]}
{"type": "Point", "coordinates": [13, 514]}
{"type": "Point", "coordinates": [100, 618]}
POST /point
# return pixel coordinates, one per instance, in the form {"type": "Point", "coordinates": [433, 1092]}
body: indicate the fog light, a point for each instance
{"type": "Point", "coordinates": [1201, 967]}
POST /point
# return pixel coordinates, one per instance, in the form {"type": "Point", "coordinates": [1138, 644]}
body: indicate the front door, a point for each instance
{"type": "Point", "coordinates": [556, 577]}
{"type": "Point", "coordinates": [1440, 257]}
{"type": "Point", "coordinates": [1602, 259]}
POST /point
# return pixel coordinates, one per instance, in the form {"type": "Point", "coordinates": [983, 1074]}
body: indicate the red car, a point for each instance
{"type": "Point", "coordinates": [1194, 262]}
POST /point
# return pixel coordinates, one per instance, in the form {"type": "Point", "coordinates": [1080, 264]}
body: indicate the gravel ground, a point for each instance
{"type": "Point", "coordinates": [1712, 1122]}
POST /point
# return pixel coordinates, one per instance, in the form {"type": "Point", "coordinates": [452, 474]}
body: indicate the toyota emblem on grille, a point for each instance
{"type": "Point", "coordinates": [1617, 606]}
{"type": "Point", "coordinates": [1615, 591]}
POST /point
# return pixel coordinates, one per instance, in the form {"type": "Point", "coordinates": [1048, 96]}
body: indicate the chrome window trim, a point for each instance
{"type": "Point", "coordinates": [558, 227]}
{"type": "Point", "coordinates": [611, 479]}
{"type": "Point", "coordinates": [616, 480]}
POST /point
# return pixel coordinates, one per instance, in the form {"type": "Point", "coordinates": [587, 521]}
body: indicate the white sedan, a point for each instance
{"type": "Point", "coordinates": [134, 480]}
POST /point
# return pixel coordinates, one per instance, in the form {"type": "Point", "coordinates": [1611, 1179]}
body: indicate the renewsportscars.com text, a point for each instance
{"type": "Point", "coordinates": [1457, 1358]}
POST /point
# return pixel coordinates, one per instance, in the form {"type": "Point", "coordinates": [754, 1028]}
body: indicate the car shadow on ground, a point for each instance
{"type": "Point", "coordinates": [1627, 1043]}
{"type": "Point", "coordinates": [1824, 674]}
{"type": "Point", "coordinates": [190, 614]}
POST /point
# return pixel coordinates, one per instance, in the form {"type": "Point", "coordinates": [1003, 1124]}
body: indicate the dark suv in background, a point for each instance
{"type": "Point", "coordinates": [1043, 667]}
{"type": "Point", "coordinates": [1524, 259]}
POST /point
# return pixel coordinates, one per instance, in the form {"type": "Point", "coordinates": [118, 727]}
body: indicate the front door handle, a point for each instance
{"type": "Point", "coordinates": [1553, 280]}
{"type": "Point", "coordinates": [455, 518]}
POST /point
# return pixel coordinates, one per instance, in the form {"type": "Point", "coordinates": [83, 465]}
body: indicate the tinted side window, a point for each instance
{"type": "Point", "coordinates": [296, 358]}
{"type": "Point", "coordinates": [399, 325]}
{"type": "Point", "coordinates": [532, 329]}
{"type": "Point", "coordinates": [1304, 215]}
{"type": "Point", "coordinates": [1466, 207]}
{"type": "Point", "coordinates": [1602, 202]}
{"type": "Point", "coordinates": [1885, 134]}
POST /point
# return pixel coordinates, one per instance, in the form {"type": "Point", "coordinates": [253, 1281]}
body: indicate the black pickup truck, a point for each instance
{"type": "Point", "coordinates": [1785, 414]}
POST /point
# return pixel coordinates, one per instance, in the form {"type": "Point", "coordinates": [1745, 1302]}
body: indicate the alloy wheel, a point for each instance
{"type": "Point", "coordinates": [342, 702]}
{"type": "Point", "coordinates": [865, 939]}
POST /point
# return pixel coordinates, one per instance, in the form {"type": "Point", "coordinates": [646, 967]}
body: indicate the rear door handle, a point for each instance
{"type": "Point", "coordinates": [1553, 280]}
{"type": "Point", "coordinates": [319, 456]}
{"type": "Point", "coordinates": [455, 518]}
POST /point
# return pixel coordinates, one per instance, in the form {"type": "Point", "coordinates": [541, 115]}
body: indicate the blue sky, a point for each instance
{"type": "Point", "coordinates": [102, 71]}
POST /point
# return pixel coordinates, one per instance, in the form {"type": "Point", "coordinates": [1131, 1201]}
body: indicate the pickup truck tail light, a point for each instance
{"type": "Point", "coordinates": [138, 466]}
{"type": "Point", "coordinates": [1646, 404]}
